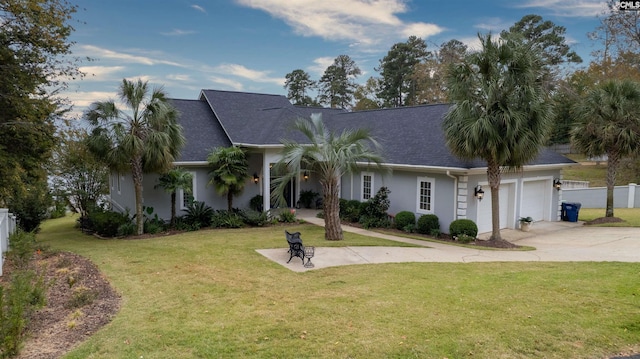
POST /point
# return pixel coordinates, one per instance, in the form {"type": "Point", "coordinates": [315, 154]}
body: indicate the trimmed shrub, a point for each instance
{"type": "Point", "coordinates": [350, 210]}
{"type": "Point", "coordinates": [254, 218]}
{"type": "Point", "coordinates": [127, 229]}
{"type": "Point", "coordinates": [378, 205]}
{"type": "Point", "coordinates": [373, 213]}
{"type": "Point", "coordinates": [287, 216]}
{"type": "Point", "coordinates": [427, 223]}
{"type": "Point", "coordinates": [107, 223]}
{"type": "Point", "coordinates": [404, 219]}
{"type": "Point", "coordinates": [463, 226]}
{"type": "Point", "coordinates": [151, 227]}
{"type": "Point", "coordinates": [370, 222]}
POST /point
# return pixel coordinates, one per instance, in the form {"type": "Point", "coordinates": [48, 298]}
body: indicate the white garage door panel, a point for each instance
{"type": "Point", "coordinates": [484, 209]}
{"type": "Point", "coordinates": [534, 199]}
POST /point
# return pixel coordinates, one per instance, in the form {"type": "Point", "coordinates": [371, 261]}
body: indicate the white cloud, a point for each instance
{"type": "Point", "coordinates": [95, 51]}
{"type": "Point", "coordinates": [100, 73]}
{"type": "Point", "coordinates": [254, 75]}
{"type": "Point", "coordinates": [144, 78]}
{"type": "Point", "coordinates": [179, 77]}
{"type": "Point", "coordinates": [494, 25]}
{"type": "Point", "coordinates": [320, 65]}
{"type": "Point", "coordinates": [366, 22]}
{"type": "Point", "coordinates": [82, 100]}
{"type": "Point", "coordinates": [472, 42]}
{"type": "Point", "coordinates": [234, 85]}
{"type": "Point", "coordinates": [421, 29]}
{"type": "Point", "coordinates": [178, 32]}
{"type": "Point", "coordinates": [568, 8]}
{"type": "Point", "coordinates": [199, 8]}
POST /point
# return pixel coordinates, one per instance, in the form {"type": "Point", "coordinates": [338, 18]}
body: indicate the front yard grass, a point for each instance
{"type": "Point", "coordinates": [631, 216]}
{"type": "Point", "coordinates": [209, 294]}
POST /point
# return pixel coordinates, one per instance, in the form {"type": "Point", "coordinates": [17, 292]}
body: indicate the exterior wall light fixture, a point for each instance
{"type": "Point", "coordinates": [557, 184]}
{"type": "Point", "coordinates": [478, 192]}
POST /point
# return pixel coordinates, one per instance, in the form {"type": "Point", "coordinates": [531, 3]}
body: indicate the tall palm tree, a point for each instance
{"type": "Point", "coordinates": [501, 112]}
{"type": "Point", "coordinates": [229, 173]}
{"type": "Point", "coordinates": [175, 179]}
{"type": "Point", "coordinates": [608, 122]}
{"type": "Point", "coordinates": [329, 157]}
{"type": "Point", "coordinates": [143, 138]}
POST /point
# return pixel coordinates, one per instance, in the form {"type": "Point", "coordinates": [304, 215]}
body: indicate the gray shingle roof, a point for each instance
{"type": "Point", "coordinates": [201, 129]}
{"type": "Point", "coordinates": [257, 119]}
{"type": "Point", "coordinates": [410, 136]}
{"type": "Point", "coordinates": [413, 136]}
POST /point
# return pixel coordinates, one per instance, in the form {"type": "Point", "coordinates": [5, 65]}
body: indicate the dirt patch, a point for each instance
{"type": "Point", "coordinates": [602, 220]}
{"type": "Point", "coordinates": [79, 302]}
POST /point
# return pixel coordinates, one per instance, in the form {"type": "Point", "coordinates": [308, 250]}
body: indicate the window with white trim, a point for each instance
{"type": "Point", "coordinates": [367, 185]}
{"type": "Point", "coordinates": [185, 197]}
{"type": "Point", "coordinates": [425, 195]}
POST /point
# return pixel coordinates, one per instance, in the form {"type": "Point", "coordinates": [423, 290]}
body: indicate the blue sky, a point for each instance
{"type": "Point", "coordinates": [250, 45]}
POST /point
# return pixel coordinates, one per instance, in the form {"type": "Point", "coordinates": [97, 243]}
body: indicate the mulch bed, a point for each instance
{"type": "Point", "coordinates": [58, 327]}
{"type": "Point", "coordinates": [443, 237]}
{"type": "Point", "coordinates": [602, 220]}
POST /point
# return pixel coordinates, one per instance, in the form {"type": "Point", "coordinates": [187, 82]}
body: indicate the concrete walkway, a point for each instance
{"type": "Point", "coordinates": [554, 242]}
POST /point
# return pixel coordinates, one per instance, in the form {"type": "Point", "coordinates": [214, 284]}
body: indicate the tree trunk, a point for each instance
{"type": "Point", "coordinates": [173, 209]}
{"type": "Point", "coordinates": [612, 169]}
{"type": "Point", "coordinates": [229, 201]}
{"type": "Point", "coordinates": [331, 207]}
{"type": "Point", "coordinates": [136, 175]}
{"type": "Point", "coordinates": [493, 176]}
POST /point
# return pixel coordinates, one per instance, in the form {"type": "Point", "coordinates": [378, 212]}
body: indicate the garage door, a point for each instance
{"type": "Point", "coordinates": [535, 199]}
{"type": "Point", "coordinates": [484, 208]}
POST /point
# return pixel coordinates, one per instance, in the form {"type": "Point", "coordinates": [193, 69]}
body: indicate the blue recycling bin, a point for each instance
{"type": "Point", "coordinates": [570, 211]}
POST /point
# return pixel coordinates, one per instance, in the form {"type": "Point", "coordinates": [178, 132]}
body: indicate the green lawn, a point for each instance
{"type": "Point", "coordinates": [208, 294]}
{"type": "Point", "coordinates": [596, 173]}
{"type": "Point", "coordinates": [631, 216]}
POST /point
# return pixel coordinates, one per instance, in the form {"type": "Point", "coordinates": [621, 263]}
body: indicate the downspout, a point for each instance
{"type": "Point", "coordinates": [455, 194]}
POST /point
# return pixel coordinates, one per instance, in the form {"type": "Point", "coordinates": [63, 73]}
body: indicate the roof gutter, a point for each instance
{"type": "Point", "coordinates": [526, 168]}
{"type": "Point", "coordinates": [191, 163]}
{"type": "Point", "coordinates": [253, 145]}
{"type": "Point", "coordinates": [418, 167]}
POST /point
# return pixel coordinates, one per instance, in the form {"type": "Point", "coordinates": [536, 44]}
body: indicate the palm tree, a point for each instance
{"type": "Point", "coordinates": [608, 122]}
{"type": "Point", "coordinates": [329, 157]}
{"type": "Point", "coordinates": [229, 173]}
{"type": "Point", "coordinates": [177, 178]}
{"type": "Point", "coordinates": [501, 112]}
{"type": "Point", "coordinates": [143, 138]}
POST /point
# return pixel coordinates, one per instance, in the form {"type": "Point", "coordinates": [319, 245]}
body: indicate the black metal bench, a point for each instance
{"type": "Point", "coordinates": [296, 249]}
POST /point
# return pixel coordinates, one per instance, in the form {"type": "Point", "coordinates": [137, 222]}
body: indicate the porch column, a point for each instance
{"type": "Point", "coordinates": [266, 182]}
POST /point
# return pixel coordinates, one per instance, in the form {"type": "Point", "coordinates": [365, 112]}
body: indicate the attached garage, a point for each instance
{"type": "Point", "coordinates": [536, 199]}
{"type": "Point", "coordinates": [507, 207]}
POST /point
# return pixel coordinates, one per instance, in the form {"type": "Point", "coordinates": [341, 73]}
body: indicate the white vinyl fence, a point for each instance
{"type": "Point", "coordinates": [596, 197]}
{"type": "Point", "coordinates": [7, 227]}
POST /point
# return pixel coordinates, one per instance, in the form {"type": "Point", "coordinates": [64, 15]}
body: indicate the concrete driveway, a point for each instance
{"type": "Point", "coordinates": [554, 242]}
